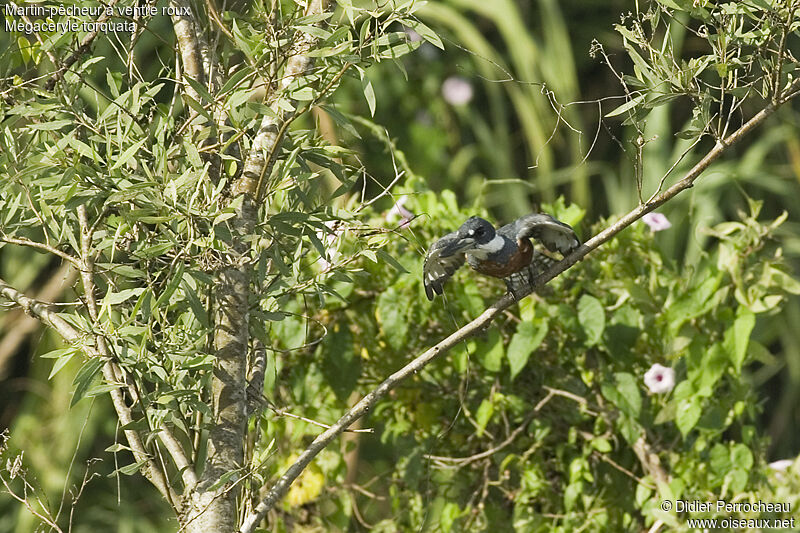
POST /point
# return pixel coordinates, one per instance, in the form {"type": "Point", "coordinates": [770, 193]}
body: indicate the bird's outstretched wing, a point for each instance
{"type": "Point", "coordinates": [553, 234]}
{"type": "Point", "coordinates": [437, 269]}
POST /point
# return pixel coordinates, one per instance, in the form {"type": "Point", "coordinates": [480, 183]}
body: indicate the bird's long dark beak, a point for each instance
{"type": "Point", "coordinates": [457, 246]}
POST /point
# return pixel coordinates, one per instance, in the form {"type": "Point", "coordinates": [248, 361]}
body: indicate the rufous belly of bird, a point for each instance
{"type": "Point", "coordinates": [519, 260]}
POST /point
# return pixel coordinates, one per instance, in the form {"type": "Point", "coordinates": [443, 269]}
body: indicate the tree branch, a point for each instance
{"type": "Point", "coordinates": [189, 45]}
{"type": "Point", "coordinates": [19, 328]}
{"type": "Point", "coordinates": [280, 487]}
{"type": "Point", "coordinates": [41, 311]}
{"type": "Point", "coordinates": [260, 160]}
{"type": "Point", "coordinates": [42, 246]}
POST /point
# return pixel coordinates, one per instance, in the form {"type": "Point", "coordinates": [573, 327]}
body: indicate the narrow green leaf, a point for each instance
{"type": "Point", "coordinates": [233, 81]}
{"type": "Point", "coordinates": [128, 154]}
{"type": "Point", "coordinates": [129, 470]}
{"type": "Point", "coordinates": [84, 378]}
{"type": "Point", "coordinates": [155, 250]}
{"type": "Point", "coordinates": [369, 94]}
{"type": "Point", "coordinates": [50, 126]}
{"type": "Point", "coordinates": [101, 389]}
{"type": "Point", "coordinates": [200, 89]}
{"type": "Point", "coordinates": [630, 104]}
{"type": "Point", "coordinates": [171, 285]}
{"type": "Point", "coordinates": [391, 261]}
{"type": "Point", "coordinates": [57, 354]}
{"type": "Point", "coordinates": [114, 298]}
{"type": "Point", "coordinates": [198, 308]}
{"type": "Point", "coordinates": [63, 356]}
{"type": "Point", "coordinates": [424, 31]}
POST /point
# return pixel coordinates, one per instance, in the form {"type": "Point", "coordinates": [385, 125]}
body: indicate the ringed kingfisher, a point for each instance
{"type": "Point", "coordinates": [505, 253]}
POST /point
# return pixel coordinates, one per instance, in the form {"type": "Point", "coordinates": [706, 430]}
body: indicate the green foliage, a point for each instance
{"type": "Point", "coordinates": [532, 427]}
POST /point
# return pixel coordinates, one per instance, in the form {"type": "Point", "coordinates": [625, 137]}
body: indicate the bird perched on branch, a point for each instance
{"type": "Point", "coordinates": [505, 253]}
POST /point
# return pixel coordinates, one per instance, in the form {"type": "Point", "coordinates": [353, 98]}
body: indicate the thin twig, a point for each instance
{"type": "Point", "coordinates": [622, 469]}
{"type": "Point", "coordinates": [284, 412]}
{"type": "Point", "coordinates": [86, 42]}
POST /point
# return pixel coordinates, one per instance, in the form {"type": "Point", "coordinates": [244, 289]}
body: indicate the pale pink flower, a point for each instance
{"type": "Point", "coordinates": [656, 221]}
{"type": "Point", "coordinates": [457, 91]}
{"type": "Point", "coordinates": [399, 212]}
{"type": "Point", "coordinates": [659, 379]}
{"type": "Point", "coordinates": [782, 465]}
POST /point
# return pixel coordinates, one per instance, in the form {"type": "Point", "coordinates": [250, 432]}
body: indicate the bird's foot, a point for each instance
{"type": "Point", "coordinates": [520, 284]}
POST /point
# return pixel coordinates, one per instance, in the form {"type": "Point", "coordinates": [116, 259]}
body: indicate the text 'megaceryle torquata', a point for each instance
{"type": "Point", "coordinates": [505, 253]}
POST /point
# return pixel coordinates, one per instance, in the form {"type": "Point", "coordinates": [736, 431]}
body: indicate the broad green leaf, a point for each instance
{"type": "Point", "coordinates": [592, 318]}
{"type": "Point", "coordinates": [341, 366]}
{"type": "Point", "coordinates": [489, 351]}
{"type": "Point", "coordinates": [392, 317]}
{"type": "Point", "coordinates": [528, 337]}
{"type": "Point", "coordinates": [449, 515]}
{"type": "Point", "coordinates": [484, 414]}
{"type": "Point", "coordinates": [741, 456]}
{"type": "Point", "coordinates": [687, 414]}
{"type": "Point", "coordinates": [712, 365]}
{"type": "Point", "coordinates": [601, 445]}
{"type": "Point", "coordinates": [737, 337]}
{"type": "Point", "coordinates": [306, 488]}
{"type": "Point", "coordinates": [692, 303]}
{"type": "Point", "coordinates": [720, 459]}
{"type": "Point", "coordinates": [624, 393]}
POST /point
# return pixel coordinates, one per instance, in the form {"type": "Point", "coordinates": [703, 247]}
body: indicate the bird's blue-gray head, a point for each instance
{"type": "Point", "coordinates": [473, 234]}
